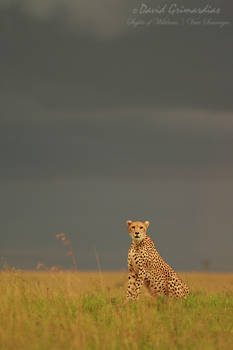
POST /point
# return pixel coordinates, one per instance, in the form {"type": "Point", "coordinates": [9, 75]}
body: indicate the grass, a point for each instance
{"type": "Point", "coordinates": [65, 310]}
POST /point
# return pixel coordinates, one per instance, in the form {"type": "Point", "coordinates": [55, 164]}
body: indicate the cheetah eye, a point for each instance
{"type": "Point", "coordinates": [133, 227]}
{"type": "Point", "coordinates": [141, 227]}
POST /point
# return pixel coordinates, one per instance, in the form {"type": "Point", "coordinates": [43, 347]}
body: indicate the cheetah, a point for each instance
{"type": "Point", "coordinates": [147, 267]}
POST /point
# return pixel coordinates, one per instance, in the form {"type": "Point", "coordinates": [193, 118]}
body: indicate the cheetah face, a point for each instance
{"type": "Point", "coordinates": [137, 229]}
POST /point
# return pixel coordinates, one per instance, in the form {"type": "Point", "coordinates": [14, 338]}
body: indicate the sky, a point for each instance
{"type": "Point", "coordinates": [110, 111]}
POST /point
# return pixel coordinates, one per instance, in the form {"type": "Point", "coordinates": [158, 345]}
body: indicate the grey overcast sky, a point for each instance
{"type": "Point", "coordinates": [111, 112]}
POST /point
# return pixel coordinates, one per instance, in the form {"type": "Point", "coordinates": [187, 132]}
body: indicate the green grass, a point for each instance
{"type": "Point", "coordinates": [67, 311]}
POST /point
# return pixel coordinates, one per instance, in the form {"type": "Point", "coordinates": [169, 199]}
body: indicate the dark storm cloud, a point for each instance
{"type": "Point", "coordinates": [73, 105]}
{"type": "Point", "coordinates": [100, 123]}
{"type": "Point", "coordinates": [101, 18]}
{"type": "Point", "coordinates": [46, 65]}
{"type": "Point", "coordinates": [118, 144]}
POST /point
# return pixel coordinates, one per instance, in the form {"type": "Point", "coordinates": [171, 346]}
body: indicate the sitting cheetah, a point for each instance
{"type": "Point", "coordinates": [147, 267]}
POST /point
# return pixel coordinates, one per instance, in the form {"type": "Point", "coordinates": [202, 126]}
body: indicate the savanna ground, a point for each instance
{"type": "Point", "coordinates": [87, 310]}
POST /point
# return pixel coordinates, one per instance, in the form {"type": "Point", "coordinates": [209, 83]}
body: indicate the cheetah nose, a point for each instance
{"type": "Point", "coordinates": [136, 233]}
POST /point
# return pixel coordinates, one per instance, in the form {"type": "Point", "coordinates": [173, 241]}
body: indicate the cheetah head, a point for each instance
{"type": "Point", "coordinates": [137, 229]}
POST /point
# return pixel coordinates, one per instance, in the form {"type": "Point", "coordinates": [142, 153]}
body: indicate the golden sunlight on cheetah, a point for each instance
{"type": "Point", "coordinates": [147, 267]}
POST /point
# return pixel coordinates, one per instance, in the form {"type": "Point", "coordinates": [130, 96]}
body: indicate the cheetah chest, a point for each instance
{"type": "Point", "coordinates": [136, 258]}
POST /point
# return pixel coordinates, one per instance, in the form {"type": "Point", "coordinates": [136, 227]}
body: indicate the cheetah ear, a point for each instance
{"type": "Point", "coordinates": [128, 222]}
{"type": "Point", "coordinates": [147, 223]}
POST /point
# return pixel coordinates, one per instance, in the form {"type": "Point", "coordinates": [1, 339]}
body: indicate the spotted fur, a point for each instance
{"type": "Point", "coordinates": [146, 267]}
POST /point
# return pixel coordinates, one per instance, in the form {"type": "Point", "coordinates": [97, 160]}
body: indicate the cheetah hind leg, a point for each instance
{"type": "Point", "coordinates": [155, 289]}
{"type": "Point", "coordinates": [178, 289]}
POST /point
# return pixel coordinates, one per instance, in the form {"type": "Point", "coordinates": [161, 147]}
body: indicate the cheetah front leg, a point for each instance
{"type": "Point", "coordinates": [135, 284]}
{"type": "Point", "coordinates": [132, 283]}
{"type": "Point", "coordinates": [140, 281]}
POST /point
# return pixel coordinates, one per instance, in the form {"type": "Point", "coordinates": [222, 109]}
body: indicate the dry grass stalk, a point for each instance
{"type": "Point", "coordinates": [55, 268]}
{"type": "Point", "coordinates": [67, 242]}
{"type": "Point", "coordinates": [40, 266]}
{"type": "Point", "coordinates": [69, 311]}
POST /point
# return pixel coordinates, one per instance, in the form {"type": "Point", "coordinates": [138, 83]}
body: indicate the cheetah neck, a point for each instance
{"type": "Point", "coordinates": [142, 243]}
{"type": "Point", "coordinates": [138, 244]}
